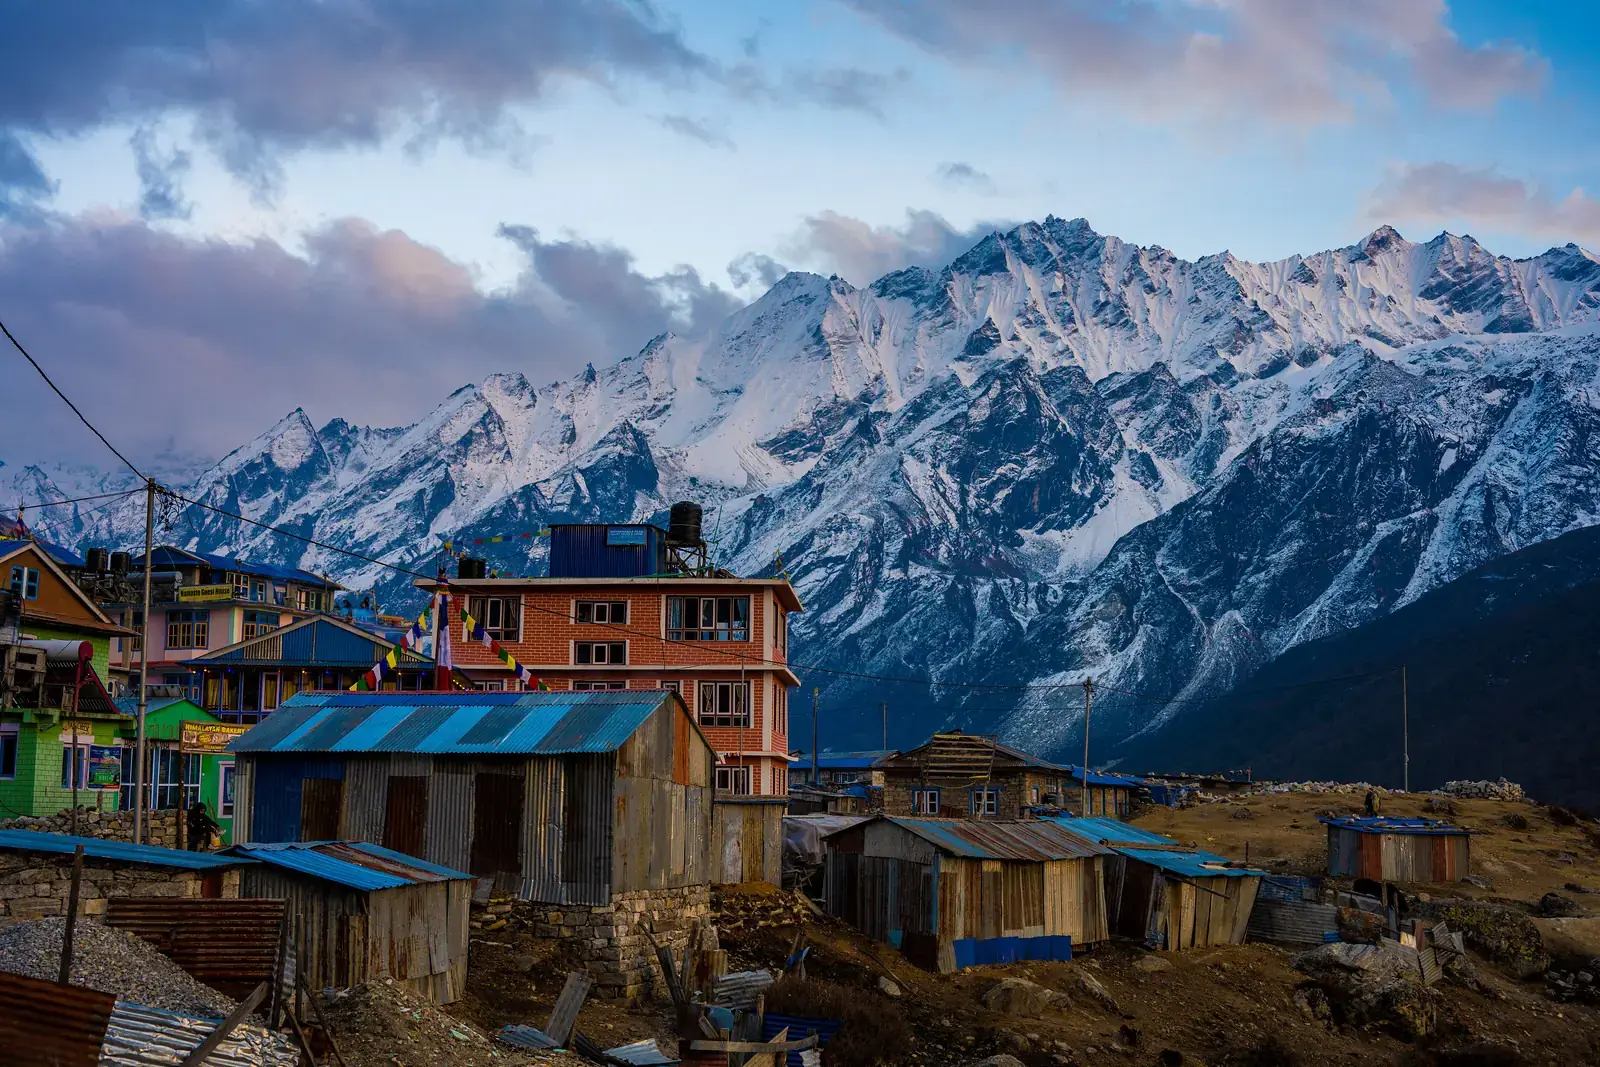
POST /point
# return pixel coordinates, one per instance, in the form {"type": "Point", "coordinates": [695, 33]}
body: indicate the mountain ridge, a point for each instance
{"type": "Point", "coordinates": [1060, 454]}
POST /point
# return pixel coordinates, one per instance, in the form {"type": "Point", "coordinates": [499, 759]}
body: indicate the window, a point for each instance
{"type": "Point", "coordinates": [163, 766]}
{"type": "Point", "coordinates": [986, 802]}
{"type": "Point", "coordinates": [1036, 794]}
{"type": "Point", "coordinates": [225, 791]}
{"type": "Point", "coordinates": [780, 633]}
{"type": "Point", "coordinates": [259, 591]}
{"type": "Point", "coordinates": [708, 618]}
{"type": "Point", "coordinates": [188, 629]}
{"type": "Point", "coordinates": [781, 710]}
{"type": "Point", "coordinates": [600, 652]}
{"type": "Point", "coordinates": [491, 687]}
{"type": "Point", "coordinates": [724, 703]}
{"type": "Point", "coordinates": [671, 686]}
{"type": "Point", "coordinates": [924, 802]}
{"type": "Point", "coordinates": [609, 612]}
{"type": "Point", "coordinates": [592, 686]}
{"type": "Point", "coordinates": [8, 750]}
{"type": "Point", "coordinates": [269, 691]}
{"type": "Point", "coordinates": [241, 585]}
{"type": "Point", "coordinates": [311, 600]}
{"type": "Point", "coordinates": [734, 780]}
{"type": "Point", "coordinates": [75, 757]}
{"type": "Point", "coordinates": [136, 624]}
{"type": "Point", "coordinates": [500, 616]}
{"type": "Point", "coordinates": [25, 582]}
{"type": "Point", "coordinates": [257, 623]}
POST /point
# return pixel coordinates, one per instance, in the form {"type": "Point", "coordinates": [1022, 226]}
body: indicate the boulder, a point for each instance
{"type": "Point", "coordinates": [889, 987]}
{"type": "Point", "coordinates": [1152, 964]}
{"type": "Point", "coordinates": [1555, 906]}
{"type": "Point", "coordinates": [1098, 993]}
{"type": "Point", "coordinates": [1018, 996]}
{"type": "Point", "coordinates": [1370, 985]}
{"type": "Point", "coordinates": [1504, 935]}
{"type": "Point", "coordinates": [1002, 1060]}
{"type": "Point", "coordinates": [1575, 940]}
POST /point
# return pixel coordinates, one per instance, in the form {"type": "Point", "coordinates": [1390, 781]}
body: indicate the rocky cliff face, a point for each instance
{"type": "Point", "coordinates": [1060, 455]}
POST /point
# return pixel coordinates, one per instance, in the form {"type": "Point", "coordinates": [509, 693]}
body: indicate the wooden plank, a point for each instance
{"type": "Point", "coordinates": [249, 1004]}
{"type": "Point", "coordinates": [497, 825]}
{"type": "Point", "coordinates": [405, 814]}
{"type": "Point", "coordinates": [320, 802]}
{"type": "Point", "coordinates": [564, 1016]}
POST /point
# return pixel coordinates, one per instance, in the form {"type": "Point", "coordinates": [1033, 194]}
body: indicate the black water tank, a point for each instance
{"type": "Point", "coordinates": [683, 526]}
{"type": "Point", "coordinates": [468, 567]}
{"type": "Point", "coordinates": [96, 560]}
{"type": "Point", "coordinates": [120, 561]}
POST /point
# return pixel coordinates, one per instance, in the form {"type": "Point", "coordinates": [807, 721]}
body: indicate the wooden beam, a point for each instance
{"type": "Point", "coordinates": [226, 1027]}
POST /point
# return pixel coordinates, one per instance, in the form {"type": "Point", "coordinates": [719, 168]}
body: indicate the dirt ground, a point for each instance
{"type": "Point", "coordinates": [1232, 1005]}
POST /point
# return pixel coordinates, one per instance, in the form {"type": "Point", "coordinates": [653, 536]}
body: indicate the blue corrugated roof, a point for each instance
{"type": "Point", "coordinates": [1126, 838]}
{"type": "Point", "coordinates": [168, 556]}
{"type": "Point", "coordinates": [1126, 781]}
{"type": "Point", "coordinates": [1190, 864]}
{"type": "Point", "coordinates": [1383, 824]}
{"type": "Point", "coordinates": [354, 864]}
{"type": "Point", "coordinates": [32, 841]}
{"type": "Point", "coordinates": [62, 555]}
{"type": "Point", "coordinates": [537, 723]}
{"type": "Point", "coordinates": [129, 704]}
{"type": "Point", "coordinates": [1108, 831]}
{"type": "Point", "coordinates": [843, 761]}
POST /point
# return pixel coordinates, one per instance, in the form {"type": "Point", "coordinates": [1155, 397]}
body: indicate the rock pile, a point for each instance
{"type": "Point", "coordinates": [1368, 985]}
{"type": "Point", "coordinates": [111, 961]}
{"type": "Point", "coordinates": [742, 909]}
{"type": "Point", "coordinates": [1500, 789]}
{"type": "Point", "coordinates": [1343, 788]}
{"type": "Point", "coordinates": [1506, 936]}
{"type": "Point", "coordinates": [380, 1023]}
{"type": "Point", "coordinates": [1574, 987]}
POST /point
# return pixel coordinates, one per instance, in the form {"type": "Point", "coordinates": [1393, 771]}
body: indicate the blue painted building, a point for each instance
{"type": "Point", "coordinates": [1167, 894]}
{"type": "Point", "coordinates": [952, 893]}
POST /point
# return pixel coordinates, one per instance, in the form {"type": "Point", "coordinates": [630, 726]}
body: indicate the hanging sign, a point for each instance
{"type": "Point", "coordinates": [193, 593]}
{"type": "Point", "coordinates": [105, 767]}
{"type": "Point", "coordinates": [209, 736]}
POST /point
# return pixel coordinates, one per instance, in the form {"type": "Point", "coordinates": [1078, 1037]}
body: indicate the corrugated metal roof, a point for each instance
{"type": "Point", "coordinates": [1107, 831]}
{"type": "Point", "coordinates": [152, 855]}
{"type": "Point", "coordinates": [64, 556]}
{"type": "Point", "coordinates": [354, 864]}
{"type": "Point", "coordinates": [1190, 864]}
{"type": "Point", "coordinates": [1033, 840]}
{"type": "Point", "coordinates": [540, 723]}
{"type": "Point", "coordinates": [1382, 824]}
{"type": "Point", "coordinates": [171, 556]}
{"type": "Point", "coordinates": [843, 761]}
{"type": "Point", "coordinates": [43, 1024]}
{"type": "Point", "coordinates": [129, 705]}
{"type": "Point", "coordinates": [1124, 781]}
{"type": "Point", "coordinates": [138, 1036]}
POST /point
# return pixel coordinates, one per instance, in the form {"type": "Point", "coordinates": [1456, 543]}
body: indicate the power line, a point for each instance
{"type": "Point", "coordinates": [56, 389]}
{"type": "Point", "coordinates": [39, 505]}
{"type": "Point", "coordinates": [56, 524]}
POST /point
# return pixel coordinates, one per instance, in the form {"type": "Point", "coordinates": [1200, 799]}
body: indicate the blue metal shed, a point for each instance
{"type": "Point", "coordinates": [631, 550]}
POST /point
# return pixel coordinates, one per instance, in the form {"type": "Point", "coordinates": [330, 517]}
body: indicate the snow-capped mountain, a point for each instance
{"type": "Point", "coordinates": [1061, 455]}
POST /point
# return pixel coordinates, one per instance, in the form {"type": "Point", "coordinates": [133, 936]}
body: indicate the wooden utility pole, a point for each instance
{"type": "Point", "coordinates": [144, 665]}
{"type": "Point", "coordinates": [1405, 729]}
{"type": "Point", "coordinates": [814, 704]}
{"type": "Point", "coordinates": [1088, 703]}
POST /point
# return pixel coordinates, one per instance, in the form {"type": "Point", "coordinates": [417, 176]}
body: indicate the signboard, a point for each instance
{"type": "Point", "coordinates": [625, 535]}
{"type": "Point", "coordinates": [209, 736]}
{"type": "Point", "coordinates": [205, 592]}
{"type": "Point", "coordinates": [105, 767]}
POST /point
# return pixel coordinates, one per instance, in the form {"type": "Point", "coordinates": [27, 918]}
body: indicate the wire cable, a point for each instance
{"type": "Point", "coordinates": [57, 390]}
{"type": "Point", "coordinates": [39, 505]}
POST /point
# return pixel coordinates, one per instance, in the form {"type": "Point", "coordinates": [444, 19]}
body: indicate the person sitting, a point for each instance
{"type": "Point", "coordinates": [201, 827]}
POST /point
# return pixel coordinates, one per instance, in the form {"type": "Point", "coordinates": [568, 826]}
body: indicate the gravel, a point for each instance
{"type": "Point", "coordinates": [112, 961]}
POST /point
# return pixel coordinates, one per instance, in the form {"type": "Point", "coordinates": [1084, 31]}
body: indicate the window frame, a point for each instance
{"type": "Point", "coordinates": [479, 608]}
{"type": "Point", "coordinates": [711, 691]}
{"type": "Point", "coordinates": [583, 653]}
{"type": "Point", "coordinates": [709, 628]}
{"type": "Point", "coordinates": [226, 773]}
{"type": "Point", "coordinates": [580, 608]}
{"type": "Point", "coordinates": [596, 685]}
{"type": "Point", "coordinates": [10, 741]}
{"type": "Point", "coordinates": [986, 796]}
{"type": "Point", "coordinates": [195, 622]}
{"type": "Point", "coordinates": [254, 623]}
{"type": "Point", "coordinates": [920, 800]}
{"type": "Point", "coordinates": [74, 750]}
{"type": "Point", "coordinates": [24, 579]}
{"type": "Point", "coordinates": [734, 773]}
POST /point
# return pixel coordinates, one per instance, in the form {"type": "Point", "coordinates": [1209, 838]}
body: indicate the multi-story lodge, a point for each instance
{"type": "Point", "coordinates": [622, 609]}
{"type": "Point", "coordinates": [203, 602]}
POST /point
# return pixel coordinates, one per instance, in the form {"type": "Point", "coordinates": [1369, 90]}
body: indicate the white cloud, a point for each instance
{"type": "Point", "coordinates": [862, 253]}
{"type": "Point", "coordinates": [1443, 193]}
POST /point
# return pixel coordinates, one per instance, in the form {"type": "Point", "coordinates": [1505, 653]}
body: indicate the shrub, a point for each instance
{"type": "Point", "coordinates": [874, 1030]}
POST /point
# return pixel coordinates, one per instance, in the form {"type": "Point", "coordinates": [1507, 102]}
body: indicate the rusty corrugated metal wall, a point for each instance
{"type": "Point", "coordinates": [542, 846]}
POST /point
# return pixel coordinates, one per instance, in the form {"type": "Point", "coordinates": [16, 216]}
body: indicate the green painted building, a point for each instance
{"type": "Point", "coordinates": [58, 725]}
{"type": "Point", "coordinates": [206, 778]}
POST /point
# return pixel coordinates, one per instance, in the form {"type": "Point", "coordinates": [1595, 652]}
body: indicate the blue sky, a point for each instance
{"type": "Point", "coordinates": [240, 200]}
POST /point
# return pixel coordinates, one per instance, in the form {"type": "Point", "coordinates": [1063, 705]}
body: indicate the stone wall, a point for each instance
{"type": "Point", "coordinates": [37, 884]}
{"type": "Point", "coordinates": [610, 938]}
{"type": "Point", "coordinates": [162, 828]}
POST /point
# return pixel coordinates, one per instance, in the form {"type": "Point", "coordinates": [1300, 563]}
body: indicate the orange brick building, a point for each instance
{"type": "Point", "coordinates": [720, 642]}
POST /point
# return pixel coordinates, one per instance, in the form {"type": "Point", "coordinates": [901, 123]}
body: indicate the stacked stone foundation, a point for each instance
{"type": "Point", "coordinates": [36, 885]}
{"type": "Point", "coordinates": [161, 827]}
{"type": "Point", "coordinates": [609, 939]}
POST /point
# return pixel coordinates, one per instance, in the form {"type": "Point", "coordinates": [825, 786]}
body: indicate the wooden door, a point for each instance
{"type": "Point", "coordinates": [405, 815]}
{"type": "Point", "coordinates": [497, 824]}
{"type": "Point", "coordinates": [320, 802]}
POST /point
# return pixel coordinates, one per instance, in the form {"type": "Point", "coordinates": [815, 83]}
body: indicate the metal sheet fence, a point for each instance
{"type": "Point", "coordinates": [43, 1024]}
{"type": "Point", "coordinates": [1293, 922]}
{"type": "Point", "coordinates": [230, 945]}
{"type": "Point", "coordinates": [138, 1036]}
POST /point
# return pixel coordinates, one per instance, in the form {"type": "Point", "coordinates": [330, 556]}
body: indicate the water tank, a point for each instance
{"type": "Point", "coordinates": [120, 561]}
{"type": "Point", "coordinates": [468, 567]}
{"type": "Point", "coordinates": [683, 525]}
{"type": "Point", "coordinates": [96, 560]}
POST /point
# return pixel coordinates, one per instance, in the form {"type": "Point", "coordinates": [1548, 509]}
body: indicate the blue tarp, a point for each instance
{"type": "Point", "coordinates": [979, 952]}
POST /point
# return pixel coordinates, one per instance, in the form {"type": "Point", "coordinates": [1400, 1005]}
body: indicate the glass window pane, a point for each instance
{"type": "Point", "coordinates": [585, 611]}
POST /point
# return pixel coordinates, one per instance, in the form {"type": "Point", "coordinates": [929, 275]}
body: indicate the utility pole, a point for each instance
{"type": "Point", "coordinates": [144, 664]}
{"type": "Point", "coordinates": [1088, 699]}
{"type": "Point", "coordinates": [1405, 728]}
{"type": "Point", "coordinates": [883, 708]}
{"type": "Point", "coordinates": [814, 703]}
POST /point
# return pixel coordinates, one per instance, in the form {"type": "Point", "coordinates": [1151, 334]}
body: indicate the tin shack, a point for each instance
{"type": "Point", "coordinates": [598, 803]}
{"type": "Point", "coordinates": [358, 912]}
{"type": "Point", "coordinates": [1388, 849]}
{"type": "Point", "coordinates": [952, 893]}
{"type": "Point", "coordinates": [1168, 894]}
